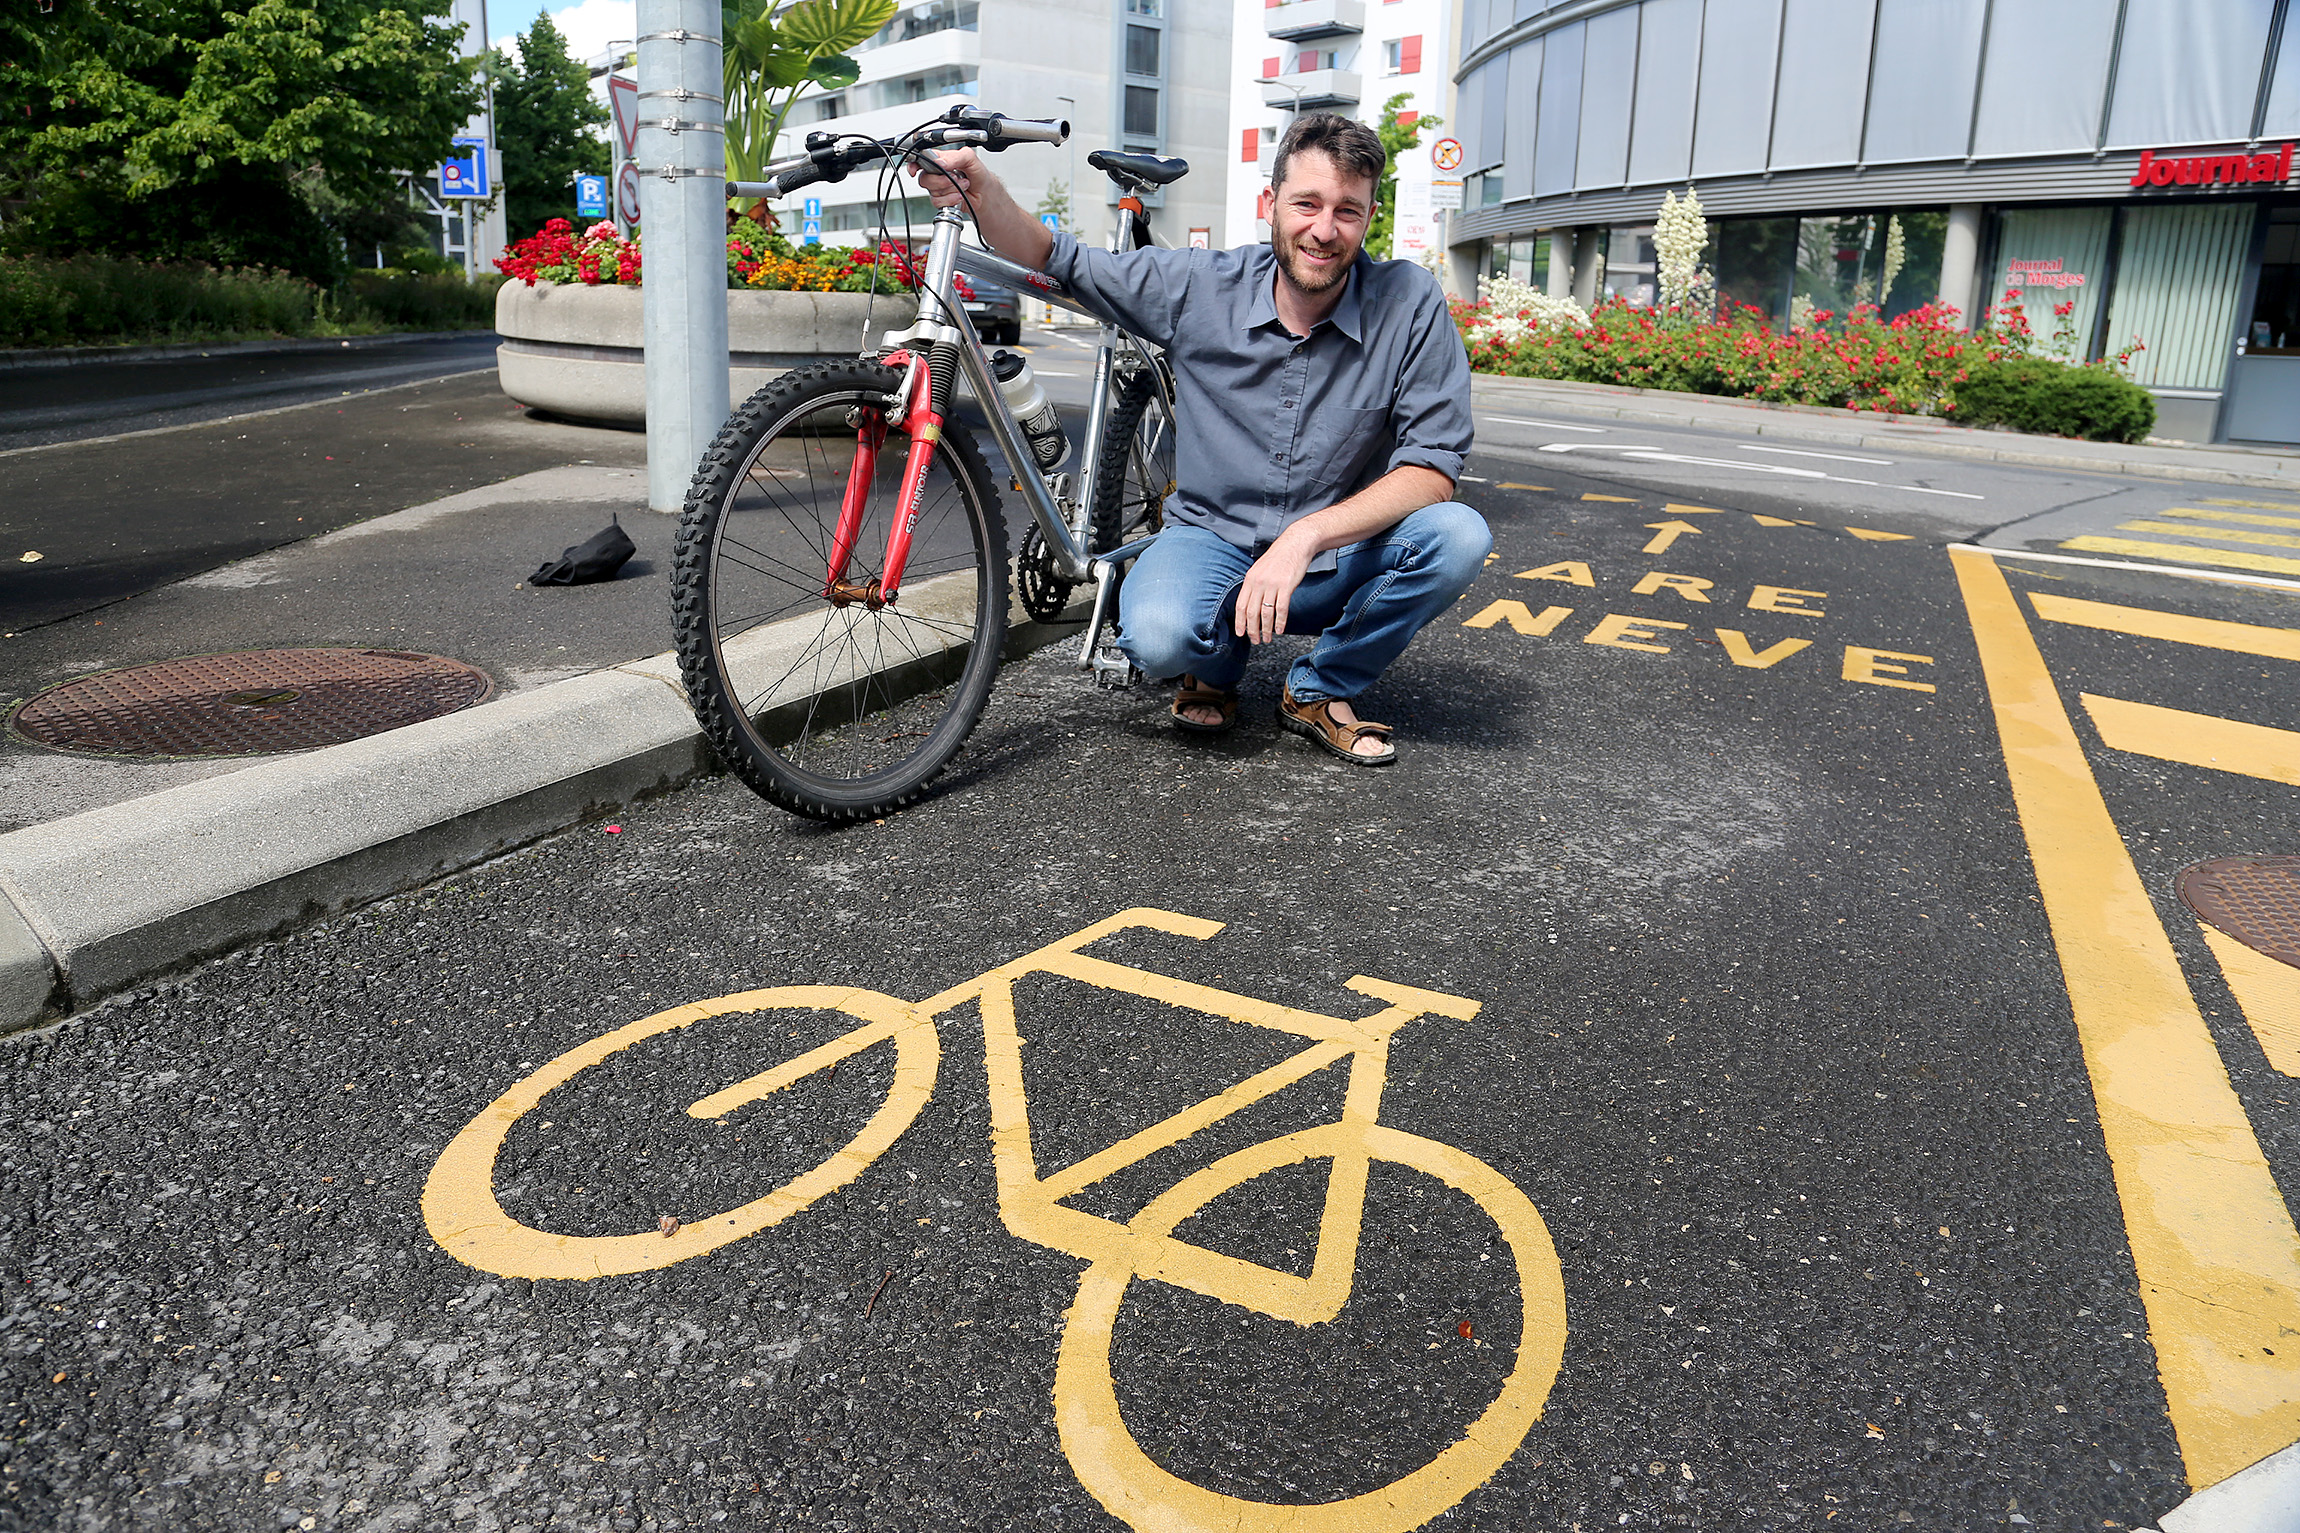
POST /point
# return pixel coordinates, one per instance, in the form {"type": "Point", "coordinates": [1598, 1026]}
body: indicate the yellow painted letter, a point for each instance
{"type": "Point", "coordinates": [1737, 646]}
{"type": "Point", "coordinates": [1869, 664]}
{"type": "Point", "coordinates": [1690, 587]}
{"type": "Point", "coordinates": [1521, 618]}
{"type": "Point", "coordinates": [1785, 599]}
{"type": "Point", "coordinates": [1573, 572]}
{"type": "Point", "coordinates": [1619, 631]}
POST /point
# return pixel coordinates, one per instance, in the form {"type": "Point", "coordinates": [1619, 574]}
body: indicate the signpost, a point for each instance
{"type": "Point", "coordinates": [811, 222]}
{"type": "Point", "coordinates": [466, 177]}
{"type": "Point", "coordinates": [623, 98]}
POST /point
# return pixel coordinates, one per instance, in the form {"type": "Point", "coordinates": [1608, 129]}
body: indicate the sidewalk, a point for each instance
{"type": "Point", "coordinates": [2263, 467]}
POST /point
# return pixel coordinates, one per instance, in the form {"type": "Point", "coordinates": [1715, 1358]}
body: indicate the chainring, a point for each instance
{"type": "Point", "coordinates": [1044, 593]}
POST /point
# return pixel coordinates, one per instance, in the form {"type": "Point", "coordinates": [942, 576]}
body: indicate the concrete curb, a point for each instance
{"type": "Point", "coordinates": [101, 901]}
{"type": "Point", "coordinates": [1917, 435]}
{"type": "Point", "coordinates": [2262, 1499]}
{"type": "Point", "coordinates": [82, 356]}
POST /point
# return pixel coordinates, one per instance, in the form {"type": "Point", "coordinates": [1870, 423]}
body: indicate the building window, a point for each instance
{"type": "Point", "coordinates": [828, 107]}
{"type": "Point", "coordinates": [1141, 112]}
{"type": "Point", "coordinates": [1391, 52]}
{"type": "Point", "coordinates": [2275, 324]}
{"type": "Point", "coordinates": [1403, 55]}
{"type": "Point", "coordinates": [1141, 50]}
{"type": "Point", "coordinates": [1144, 8]}
{"type": "Point", "coordinates": [921, 20]}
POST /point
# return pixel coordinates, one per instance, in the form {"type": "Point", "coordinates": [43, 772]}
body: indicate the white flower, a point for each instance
{"type": "Point", "coordinates": [1679, 235]}
{"type": "Point", "coordinates": [1515, 310]}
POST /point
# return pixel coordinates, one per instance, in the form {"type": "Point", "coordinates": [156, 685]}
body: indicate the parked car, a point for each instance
{"type": "Point", "coordinates": [996, 308]}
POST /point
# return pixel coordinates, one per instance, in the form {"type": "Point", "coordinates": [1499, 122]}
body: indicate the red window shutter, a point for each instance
{"type": "Point", "coordinates": [1270, 68]}
{"type": "Point", "coordinates": [1410, 56]}
{"type": "Point", "coordinates": [1408, 119]}
{"type": "Point", "coordinates": [1250, 145]}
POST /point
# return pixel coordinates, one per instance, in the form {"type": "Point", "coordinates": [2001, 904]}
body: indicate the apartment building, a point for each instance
{"type": "Point", "coordinates": [1347, 56]}
{"type": "Point", "coordinates": [1131, 74]}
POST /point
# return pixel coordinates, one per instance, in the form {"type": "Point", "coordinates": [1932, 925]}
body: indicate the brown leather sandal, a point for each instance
{"type": "Point", "coordinates": [1316, 723]}
{"type": "Point", "coordinates": [1193, 693]}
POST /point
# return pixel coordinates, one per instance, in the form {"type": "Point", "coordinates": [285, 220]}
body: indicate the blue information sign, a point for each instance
{"type": "Point", "coordinates": [467, 176]}
{"type": "Point", "coordinates": [811, 231]}
{"type": "Point", "coordinates": [591, 196]}
{"type": "Point", "coordinates": [814, 208]}
{"type": "Point", "coordinates": [1050, 220]}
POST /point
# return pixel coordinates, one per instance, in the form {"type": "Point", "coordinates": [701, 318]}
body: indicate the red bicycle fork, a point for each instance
{"type": "Point", "coordinates": [925, 429]}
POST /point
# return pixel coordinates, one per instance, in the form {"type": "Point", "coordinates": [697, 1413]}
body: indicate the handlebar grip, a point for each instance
{"type": "Point", "coordinates": [1052, 130]}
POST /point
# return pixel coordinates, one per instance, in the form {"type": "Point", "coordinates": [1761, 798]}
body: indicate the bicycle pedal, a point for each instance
{"type": "Point", "coordinates": [1113, 671]}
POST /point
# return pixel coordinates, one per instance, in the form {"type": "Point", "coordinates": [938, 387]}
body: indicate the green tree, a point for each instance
{"type": "Point", "coordinates": [1056, 201]}
{"type": "Point", "coordinates": [1397, 138]}
{"type": "Point", "coordinates": [544, 114]}
{"type": "Point", "coordinates": [227, 130]}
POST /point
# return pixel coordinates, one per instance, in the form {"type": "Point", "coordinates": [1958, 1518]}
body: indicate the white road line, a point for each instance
{"type": "Point", "coordinates": [1918, 489]}
{"type": "Point", "coordinates": [2125, 564]}
{"type": "Point", "coordinates": [1475, 479]}
{"type": "Point", "coordinates": [1837, 457]}
{"type": "Point", "coordinates": [1514, 420]}
{"type": "Point", "coordinates": [1634, 454]}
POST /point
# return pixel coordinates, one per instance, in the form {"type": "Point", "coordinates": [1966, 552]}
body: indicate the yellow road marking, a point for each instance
{"type": "Point", "coordinates": [1691, 587]}
{"type": "Point", "coordinates": [2148, 623]}
{"type": "Point", "coordinates": [1621, 632]}
{"type": "Point", "coordinates": [1666, 533]}
{"type": "Point", "coordinates": [2217, 534]}
{"type": "Point", "coordinates": [1775, 521]}
{"type": "Point", "coordinates": [1677, 510]}
{"type": "Point", "coordinates": [1738, 650]}
{"type": "Point", "coordinates": [1520, 618]}
{"type": "Point", "coordinates": [1785, 599]}
{"type": "Point", "coordinates": [1877, 668]}
{"type": "Point", "coordinates": [2212, 1240]}
{"type": "Point", "coordinates": [2265, 505]}
{"type": "Point", "coordinates": [1572, 571]}
{"type": "Point", "coordinates": [2267, 991]}
{"type": "Point", "coordinates": [1880, 537]}
{"type": "Point", "coordinates": [2181, 553]}
{"type": "Point", "coordinates": [1507, 484]}
{"type": "Point", "coordinates": [1623, 500]}
{"type": "Point", "coordinates": [2196, 739]}
{"type": "Point", "coordinates": [2247, 518]}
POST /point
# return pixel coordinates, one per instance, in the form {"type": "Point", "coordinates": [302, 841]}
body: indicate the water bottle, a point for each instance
{"type": "Point", "coordinates": [1049, 444]}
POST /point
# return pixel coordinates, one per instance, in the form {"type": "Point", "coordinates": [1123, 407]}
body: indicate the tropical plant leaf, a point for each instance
{"type": "Point", "coordinates": [834, 71]}
{"type": "Point", "coordinates": [834, 26]}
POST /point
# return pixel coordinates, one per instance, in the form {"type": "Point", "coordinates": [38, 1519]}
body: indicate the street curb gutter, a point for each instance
{"type": "Point", "coordinates": [111, 898]}
{"type": "Point", "coordinates": [89, 356]}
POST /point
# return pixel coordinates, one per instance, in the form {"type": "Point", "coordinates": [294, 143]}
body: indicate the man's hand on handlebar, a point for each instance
{"type": "Point", "coordinates": [997, 216]}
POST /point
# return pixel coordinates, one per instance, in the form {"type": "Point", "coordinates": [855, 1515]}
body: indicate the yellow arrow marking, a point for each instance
{"type": "Point", "coordinates": [1880, 537]}
{"type": "Point", "coordinates": [1675, 509]}
{"type": "Point", "coordinates": [1509, 484]}
{"type": "Point", "coordinates": [1626, 500]}
{"type": "Point", "coordinates": [1668, 533]}
{"type": "Point", "coordinates": [1775, 521]}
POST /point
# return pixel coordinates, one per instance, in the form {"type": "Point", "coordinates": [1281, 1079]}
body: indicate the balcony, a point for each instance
{"type": "Point", "coordinates": [1313, 88]}
{"type": "Point", "coordinates": [1299, 21]}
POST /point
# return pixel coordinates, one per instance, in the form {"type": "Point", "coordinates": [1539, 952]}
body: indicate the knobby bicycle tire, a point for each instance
{"type": "Point", "coordinates": [835, 711]}
{"type": "Point", "coordinates": [1128, 500]}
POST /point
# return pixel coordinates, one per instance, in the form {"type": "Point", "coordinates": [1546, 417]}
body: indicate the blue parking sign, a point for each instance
{"type": "Point", "coordinates": [591, 196]}
{"type": "Point", "coordinates": [466, 177]}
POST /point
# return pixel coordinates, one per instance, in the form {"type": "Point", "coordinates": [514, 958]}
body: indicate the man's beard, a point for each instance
{"type": "Point", "coordinates": [1289, 257]}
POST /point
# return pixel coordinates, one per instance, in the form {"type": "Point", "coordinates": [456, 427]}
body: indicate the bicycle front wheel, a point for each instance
{"type": "Point", "coordinates": [831, 706]}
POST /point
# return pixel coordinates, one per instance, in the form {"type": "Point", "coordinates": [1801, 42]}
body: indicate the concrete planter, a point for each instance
{"type": "Point", "coordinates": [576, 351]}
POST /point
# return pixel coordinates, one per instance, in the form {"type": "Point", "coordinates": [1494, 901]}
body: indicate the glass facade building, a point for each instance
{"type": "Point", "coordinates": [2124, 168]}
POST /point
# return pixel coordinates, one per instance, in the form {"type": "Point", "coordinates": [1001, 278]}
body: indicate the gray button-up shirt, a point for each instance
{"type": "Point", "coordinates": [1271, 426]}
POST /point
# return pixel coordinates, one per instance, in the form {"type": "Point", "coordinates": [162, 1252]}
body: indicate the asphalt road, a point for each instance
{"type": "Point", "coordinates": [1848, 1105]}
{"type": "Point", "coordinates": [43, 405]}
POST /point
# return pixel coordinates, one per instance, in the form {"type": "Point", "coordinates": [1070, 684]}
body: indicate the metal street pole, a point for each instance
{"type": "Point", "coordinates": [682, 161]}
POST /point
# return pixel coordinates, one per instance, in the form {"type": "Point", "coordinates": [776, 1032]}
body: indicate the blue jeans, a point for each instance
{"type": "Point", "coordinates": [1175, 609]}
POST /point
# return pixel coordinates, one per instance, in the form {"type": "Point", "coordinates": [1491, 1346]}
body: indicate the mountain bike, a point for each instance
{"type": "Point", "coordinates": [840, 587]}
{"type": "Point", "coordinates": [466, 1217]}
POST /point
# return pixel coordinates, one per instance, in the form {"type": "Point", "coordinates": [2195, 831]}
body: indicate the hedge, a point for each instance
{"type": "Point", "coordinates": [97, 300]}
{"type": "Point", "coordinates": [2053, 399]}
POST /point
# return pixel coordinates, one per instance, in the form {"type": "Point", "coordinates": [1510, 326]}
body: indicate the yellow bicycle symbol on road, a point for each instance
{"type": "Point", "coordinates": [466, 1218]}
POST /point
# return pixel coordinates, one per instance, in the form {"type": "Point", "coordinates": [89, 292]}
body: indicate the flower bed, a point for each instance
{"type": "Point", "coordinates": [1921, 363]}
{"type": "Point", "coordinates": [758, 257]}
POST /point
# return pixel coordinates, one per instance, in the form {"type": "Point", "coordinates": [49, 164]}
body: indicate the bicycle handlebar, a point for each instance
{"type": "Point", "coordinates": [830, 159]}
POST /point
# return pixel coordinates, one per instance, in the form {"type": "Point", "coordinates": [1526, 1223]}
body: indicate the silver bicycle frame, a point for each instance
{"type": "Point", "coordinates": [942, 318]}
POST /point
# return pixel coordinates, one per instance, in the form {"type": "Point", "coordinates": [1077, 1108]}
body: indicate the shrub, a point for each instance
{"type": "Point", "coordinates": [2051, 398]}
{"type": "Point", "coordinates": [758, 256]}
{"type": "Point", "coordinates": [406, 300]}
{"type": "Point", "coordinates": [98, 298]}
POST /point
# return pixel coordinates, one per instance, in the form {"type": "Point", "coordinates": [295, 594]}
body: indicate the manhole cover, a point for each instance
{"type": "Point", "coordinates": [249, 703]}
{"type": "Point", "coordinates": [2256, 900]}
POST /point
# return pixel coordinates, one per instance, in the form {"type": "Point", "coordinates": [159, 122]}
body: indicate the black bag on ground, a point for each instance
{"type": "Point", "coordinates": [597, 558]}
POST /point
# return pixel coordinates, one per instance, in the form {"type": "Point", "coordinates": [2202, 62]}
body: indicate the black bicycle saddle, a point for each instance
{"type": "Point", "coordinates": [1148, 169]}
